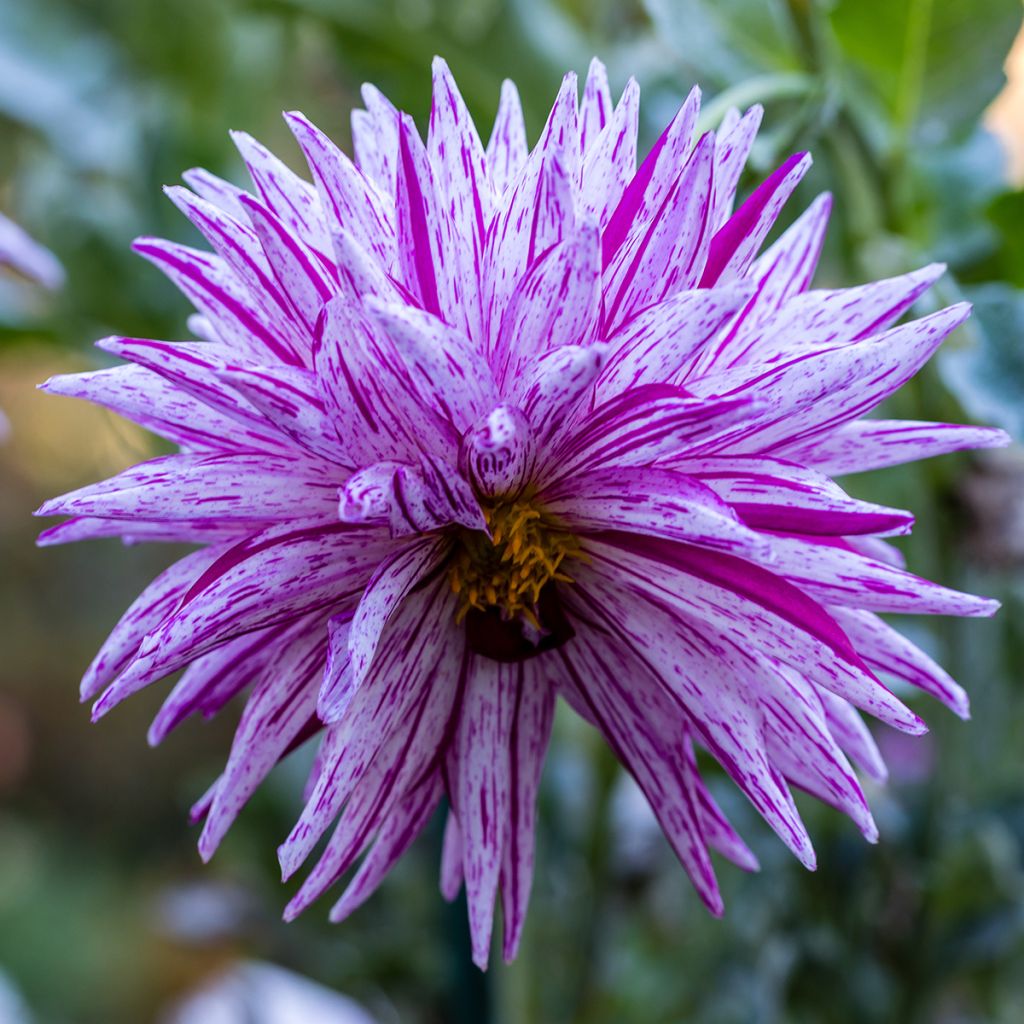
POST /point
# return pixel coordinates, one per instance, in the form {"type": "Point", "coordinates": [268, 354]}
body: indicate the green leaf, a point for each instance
{"type": "Point", "coordinates": [965, 43]}
{"type": "Point", "coordinates": [1006, 217]}
{"type": "Point", "coordinates": [720, 43]}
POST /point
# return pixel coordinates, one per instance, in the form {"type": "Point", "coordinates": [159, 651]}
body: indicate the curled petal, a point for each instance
{"type": "Point", "coordinates": [498, 453]}
{"type": "Point", "coordinates": [409, 499]}
{"type": "Point", "coordinates": [366, 497]}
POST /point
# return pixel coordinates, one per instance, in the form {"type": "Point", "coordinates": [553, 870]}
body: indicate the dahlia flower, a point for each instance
{"type": "Point", "coordinates": [468, 428]}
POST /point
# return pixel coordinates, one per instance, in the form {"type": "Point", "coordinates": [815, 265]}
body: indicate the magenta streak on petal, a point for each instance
{"type": "Point", "coordinates": [402, 826]}
{"type": "Point", "coordinates": [815, 521]}
{"type": "Point", "coordinates": [164, 255]}
{"type": "Point", "coordinates": [218, 231]}
{"type": "Point", "coordinates": [213, 680]}
{"type": "Point", "coordinates": [739, 226]}
{"type": "Point", "coordinates": [638, 746]}
{"type": "Point", "coordinates": [632, 199]}
{"type": "Point", "coordinates": [414, 207]}
{"type": "Point", "coordinates": [247, 549]}
{"type": "Point", "coordinates": [753, 582]}
{"type": "Point", "coordinates": [297, 252]}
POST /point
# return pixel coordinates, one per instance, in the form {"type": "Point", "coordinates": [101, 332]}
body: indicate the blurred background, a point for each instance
{"type": "Point", "coordinates": [106, 914]}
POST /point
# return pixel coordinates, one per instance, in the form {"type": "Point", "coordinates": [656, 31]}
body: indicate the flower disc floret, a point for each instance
{"type": "Point", "coordinates": [506, 581]}
{"type": "Point", "coordinates": [508, 570]}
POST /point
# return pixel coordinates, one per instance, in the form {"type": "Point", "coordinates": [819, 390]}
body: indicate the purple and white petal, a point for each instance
{"type": "Point", "coordinates": [653, 501]}
{"type": "Point", "coordinates": [863, 445]}
{"type": "Point", "coordinates": [499, 453]}
{"type": "Point", "coordinates": [507, 148]}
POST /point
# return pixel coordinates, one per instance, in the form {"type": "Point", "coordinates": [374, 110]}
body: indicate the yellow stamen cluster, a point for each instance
{"type": "Point", "coordinates": [509, 569]}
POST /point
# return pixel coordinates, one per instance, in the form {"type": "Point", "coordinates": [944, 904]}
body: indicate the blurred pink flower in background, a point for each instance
{"type": "Point", "coordinates": [20, 252]}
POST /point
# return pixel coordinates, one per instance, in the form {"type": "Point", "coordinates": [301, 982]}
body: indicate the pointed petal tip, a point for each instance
{"type": "Point", "coordinates": [822, 202]}
{"type": "Point", "coordinates": [340, 911]}
{"type": "Point", "coordinates": [799, 844]}
{"type": "Point", "coordinates": [956, 314]}
{"type": "Point", "coordinates": [289, 857]}
{"type": "Point", "coordinates": [808, 858]}
{"type": "Point", "coordinates": [912, 725]}
{"type": "Point", "coordinates": [869, 830]}
{"type": "Point", "coordinates": [710, 896]}
{"type": "Point", "coordinates": [749, 862]}
{"type": "Point", "coordinates": [287, 869]}
{"type": "Point", "coordinates": [975, 607]}
{"type": "Point", "coordinates": [934, 270]}
{"type": "Point", "coordinates": [371, 94]}
{"type": "Point", "coordinates": [208, 842]}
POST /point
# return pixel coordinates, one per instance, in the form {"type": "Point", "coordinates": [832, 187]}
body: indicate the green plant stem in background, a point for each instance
{"type": "Point", "coordinates": [587, 989]}
{"type": "Point", "coordinates": [907, 105]}
{"type": "Point", "coordinates": [765, 89]}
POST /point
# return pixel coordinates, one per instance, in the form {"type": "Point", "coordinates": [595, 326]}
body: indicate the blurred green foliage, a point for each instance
{"type": "Point", "coordinates": [101, 102]}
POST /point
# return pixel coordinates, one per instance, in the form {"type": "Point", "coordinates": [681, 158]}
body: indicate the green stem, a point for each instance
{"type": "Point", "coordinates": [596, 856]}
{"type": "Point", "coordinates": [783, 85]}
{"type": "Point", "coordinates": [915, 62]}
{"type": "Point", "coordinates": [908, 103]}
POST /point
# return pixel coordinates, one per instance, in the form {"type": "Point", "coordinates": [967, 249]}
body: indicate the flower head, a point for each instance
{"type": "Point", "coordinates": [471, 428]}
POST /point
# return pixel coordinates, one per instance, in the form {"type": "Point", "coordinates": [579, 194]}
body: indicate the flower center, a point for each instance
{"type": "Point", "coordinates": [506, 583]}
